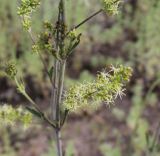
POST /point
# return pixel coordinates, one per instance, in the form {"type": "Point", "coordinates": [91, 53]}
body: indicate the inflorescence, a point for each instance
{"type": "Point", "coordinates": [25, 11]}
{"type": "Point", "coordinates": [111, 6]}
{"type": "Point", "coordinates": [10, 69]}
{"type": "Point", "coordinates": [106, 88]}
{"type": "Point", "coordinates": [10, 115]}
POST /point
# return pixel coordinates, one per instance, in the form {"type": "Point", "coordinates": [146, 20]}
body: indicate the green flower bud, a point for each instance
{"type": "Point", "coordinates": [73, 34]}
{"type": "Point", "coordinates": [11, 70]}
{"type": "Point", "coordinates": [111, 6]}
{"type": "Point", "coordinates": [35, 49]}
{"type": "Point", "coordinates": [26, 24]}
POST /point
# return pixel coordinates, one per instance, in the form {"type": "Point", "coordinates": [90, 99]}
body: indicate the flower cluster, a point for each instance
{"type": "Point", "coordinates": [106, 88]}
{"type": "Point", "coordinates": [10, 69]}
{"type": "Point", "coordinates": [72, 34]}
{"type": "Point", "coordinates": [46, 40]}
{"type": "Point", "coordinates": [111, 6]}
{"type": "Point", "coordinates": [10, 115]}
{"type": "Point", "coordinates": [25, 11]}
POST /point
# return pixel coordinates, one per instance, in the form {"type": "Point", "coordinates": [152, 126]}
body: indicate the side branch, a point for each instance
{"type": "Point", "coordinates": [40, 56]}
{"type": "Point", "coordinates": [87, 19]}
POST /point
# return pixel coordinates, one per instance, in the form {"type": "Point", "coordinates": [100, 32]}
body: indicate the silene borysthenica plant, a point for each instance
{"type": "Point", "coordinates": [59, 42]}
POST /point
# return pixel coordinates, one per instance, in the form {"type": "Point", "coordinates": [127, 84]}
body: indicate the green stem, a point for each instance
{"type": "Point", "coordinates": [54, 90]}
{"type": "Point", "coordinates": [23, 92]}
{"type": "Point", "coordinates": [62, 11]}
{"type": "Point", "coordinates": [60, 89]}
{"type": "Point", "coordinates": [59, 77]}
{"type": "Point", "coordinates": [87, 19]}
{"type": "Point", "coordinates": [44, 117]}
{"type": "Point", "coordinates": [59, 143]}
{"type": "Point", "coordinates": [55, 77]}
{"type": "Point", "coordinates": [39, 54]}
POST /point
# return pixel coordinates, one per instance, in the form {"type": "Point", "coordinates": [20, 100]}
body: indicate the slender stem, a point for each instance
{"type": "Point", "coordinates": [90, 17]}
{"type": "Point", "coordinates": [56, 68]}
{"type": "Point", "coordinates": [44, 65]}
{"type": "Point", "coordinates": [59, 143]}
{"type": "Point", "coordinates": [87, 19]}
{"type": "Point", "coordinates": [59, 77]}
{"type": "Point", "coordinates": [60, 90]}
{"type": "Point", "coordinates": [38, 109]}
{"type": "Point", "coordinates": [54, 90]}
{"type": "Point", "coordinates": [62, 10]}
{"type": "Point", "coordinates": [39, 54]}
{"type": "Point", "coordinates": [23, 92]}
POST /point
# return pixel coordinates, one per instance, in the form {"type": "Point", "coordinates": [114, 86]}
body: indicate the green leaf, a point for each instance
{"type": "Point", "coordinates": [34, 112]}
{"type": "Point", "coordinates": [75, 44]}
{"type": "Point", "coordinates": [64, 117]}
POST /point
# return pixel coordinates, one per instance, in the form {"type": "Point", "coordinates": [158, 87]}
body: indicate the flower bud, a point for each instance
{"type": "Point", "coordinates": [111, 6]}
{"type": "Point", "coordinates": [11, 70]}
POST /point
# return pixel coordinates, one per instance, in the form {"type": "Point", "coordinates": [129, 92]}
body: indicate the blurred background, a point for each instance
{"type": "Point", "coordinates": [131, 126]}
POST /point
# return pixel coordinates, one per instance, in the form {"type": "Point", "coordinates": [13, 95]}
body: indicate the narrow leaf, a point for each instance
{"type": "Point", "coordinates": [34, 112]}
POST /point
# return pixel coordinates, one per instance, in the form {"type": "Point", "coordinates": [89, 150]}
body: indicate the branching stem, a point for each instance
{"type": "Point", "coordinates": [58, 79]}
